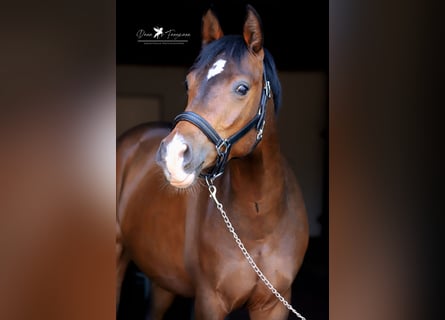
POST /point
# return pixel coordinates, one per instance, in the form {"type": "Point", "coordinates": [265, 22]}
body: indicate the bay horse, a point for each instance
{"type": "Point", "coordinates": [210, 217]}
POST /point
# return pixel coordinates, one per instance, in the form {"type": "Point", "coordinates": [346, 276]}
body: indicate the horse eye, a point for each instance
{"type": "Point", "coordinates": [242, 89]}
{"type": "Point", "coordinates": [186, 84]}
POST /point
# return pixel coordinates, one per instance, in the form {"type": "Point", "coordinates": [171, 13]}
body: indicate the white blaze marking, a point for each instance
{"type": "Point", "coordinates": [174, 158]}
{"type": "Point", "coordinates": [217, 68]}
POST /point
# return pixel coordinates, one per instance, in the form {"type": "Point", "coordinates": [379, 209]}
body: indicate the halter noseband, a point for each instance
{"type": "Point", "coordinates": [223, 146]}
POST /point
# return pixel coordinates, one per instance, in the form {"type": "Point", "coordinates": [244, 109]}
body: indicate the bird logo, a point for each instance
{"type": "Point", "coordinates": [159, 32]}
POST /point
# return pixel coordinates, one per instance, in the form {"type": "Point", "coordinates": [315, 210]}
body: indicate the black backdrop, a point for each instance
{"type": "Point", "coordinates": [298, 35]}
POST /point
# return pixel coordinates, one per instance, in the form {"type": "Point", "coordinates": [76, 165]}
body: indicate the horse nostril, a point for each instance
{"type": "Point", "coordinates": [175, 155]}
{"type": "Point", "coordinates": [160, 154]}
{"type": "Point", "coordinates": [187, 156]}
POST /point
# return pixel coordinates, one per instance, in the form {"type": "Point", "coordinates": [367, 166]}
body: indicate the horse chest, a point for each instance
{"type": "Point", "coordinates": [223, 266]}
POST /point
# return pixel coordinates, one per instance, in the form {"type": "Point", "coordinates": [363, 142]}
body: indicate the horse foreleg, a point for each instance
{"type": "Point", "coordinates": [272, 310]}
{"type": "Point", "coordinates": [161, 299]}
{"type": "Point", "coordinates": [209, 306]}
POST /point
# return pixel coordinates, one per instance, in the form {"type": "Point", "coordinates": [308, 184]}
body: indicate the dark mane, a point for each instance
{"type": "Point", "coordinates": [235, 47]}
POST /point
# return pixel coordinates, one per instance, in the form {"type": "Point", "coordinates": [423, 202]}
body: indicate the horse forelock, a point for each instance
{"type": "Point", "coordinates": [233, 47]}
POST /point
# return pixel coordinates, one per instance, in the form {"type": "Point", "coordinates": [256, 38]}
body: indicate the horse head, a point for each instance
{"type": "Point", "coordinates": [224, 88]}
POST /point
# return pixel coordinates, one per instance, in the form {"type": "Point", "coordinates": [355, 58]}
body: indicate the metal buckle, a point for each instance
{"type": "Point", "coordinates": [222, 147]}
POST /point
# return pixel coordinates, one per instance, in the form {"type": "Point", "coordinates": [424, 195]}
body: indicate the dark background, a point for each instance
{"type": "Point", "coordinates": [298, 38]}
{"type": "Point", "coordinates": [297, 35]}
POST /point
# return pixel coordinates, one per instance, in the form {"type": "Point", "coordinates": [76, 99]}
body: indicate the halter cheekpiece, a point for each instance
{"type": "Point", "coordinates": [223, 146]}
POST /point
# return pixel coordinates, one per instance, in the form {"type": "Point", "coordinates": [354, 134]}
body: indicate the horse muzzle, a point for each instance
{"type": "Point", "coordinates": [181, 165]}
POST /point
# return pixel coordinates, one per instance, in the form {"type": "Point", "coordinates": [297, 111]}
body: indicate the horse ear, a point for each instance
{"type": "Point", "coordinates": [211, 29]}
{"type": "Point", "coordinates": [252, 32]}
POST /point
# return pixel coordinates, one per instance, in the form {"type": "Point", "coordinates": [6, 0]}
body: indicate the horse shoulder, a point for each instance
{"type": "Point", "coordinates": [135, 154]}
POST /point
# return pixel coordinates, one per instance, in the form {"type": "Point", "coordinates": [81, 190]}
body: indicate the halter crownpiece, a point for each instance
{"type": "Point", "coordinates": [223, 146]}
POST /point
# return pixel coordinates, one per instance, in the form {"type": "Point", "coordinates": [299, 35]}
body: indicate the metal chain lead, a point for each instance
{"type": "Point", "coordinates": [219, 206]}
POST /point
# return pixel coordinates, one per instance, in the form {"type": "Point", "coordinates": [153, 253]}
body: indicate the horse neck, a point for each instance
{"type": "Point", "coordinates": [261, 172]}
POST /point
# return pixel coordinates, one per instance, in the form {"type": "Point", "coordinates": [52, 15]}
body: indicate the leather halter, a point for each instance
{"type": "Point", "coordinates": [223, 146]}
